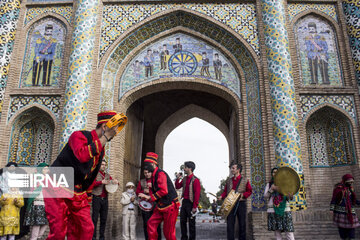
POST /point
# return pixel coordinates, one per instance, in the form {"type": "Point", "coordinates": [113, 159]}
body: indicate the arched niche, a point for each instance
{"type": "Point", "coordinates": [31, 138]}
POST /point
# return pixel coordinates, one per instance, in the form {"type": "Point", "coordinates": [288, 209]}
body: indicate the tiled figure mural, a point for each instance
{"type": "Point", "coordinates": [352, 13]}
{"type": "Point", "coordinates": [179, 56]}
{"type": "Point", "coordinates": [9, 12]}
{"type": "Point", "coordinates": [329, 139]}
{"type": "Point", "coordinates": [318, 52]}
{"type": "Point", "coordinates": [43, 60]}
{"type": "Point", "coordinates": [31, 138]}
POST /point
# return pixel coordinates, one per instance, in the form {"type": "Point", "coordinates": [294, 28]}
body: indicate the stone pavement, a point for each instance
{"type": "Point", "coordinates": [204, 230]}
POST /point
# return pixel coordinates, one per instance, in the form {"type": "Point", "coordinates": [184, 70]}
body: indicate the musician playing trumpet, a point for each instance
{"type": "Point", "coordinates": [241, 185]}
{"type": "Point", "coordinates": [279, 214]}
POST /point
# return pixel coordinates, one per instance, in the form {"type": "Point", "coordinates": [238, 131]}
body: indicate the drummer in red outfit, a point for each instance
{"type": "Point", "coordinates": [165, 196]}
{"type": "Point", "coordinates": [241, 185]}
{"type": "Point", "coordinates": [84, 152]}
{"type": "Point", "coordinates": [144, 186]}
{"type": "Point", "coordinates": [191, 194]}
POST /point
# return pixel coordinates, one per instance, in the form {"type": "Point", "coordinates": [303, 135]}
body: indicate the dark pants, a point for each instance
{"type": "Point", "coordinates": [316, 64]}
{"type": "Point", "coordinates": [146, 216]}
{"type": "Point", "coordinates": [185, 216]}
{"type": "Point", "coordinates": [45, 66]}
{"type": "Point", "coordinates": [99, 205]}
{"type": "Point", "coordinates": [347, 233]}
{"type": "Point", "coordinates": [148, 71]}
{"type": "Point", "coordinates": [203, 70]}
{"type": "Point", "coordinates": [240, 211]}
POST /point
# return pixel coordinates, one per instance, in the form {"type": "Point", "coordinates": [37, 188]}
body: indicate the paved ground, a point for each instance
{"type": "Point", "coordinates": [205, 230]}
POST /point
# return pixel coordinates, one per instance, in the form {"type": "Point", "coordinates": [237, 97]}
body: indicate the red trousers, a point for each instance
{"type": "Point", "coordinates": [69, 217]}
{"type": "Point", "coordinates": [169, 216]}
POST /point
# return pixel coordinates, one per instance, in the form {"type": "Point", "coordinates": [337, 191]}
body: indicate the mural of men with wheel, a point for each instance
{"type": "Point", "coordinates": [205, 65]}
{"type": "Point", "coordinates": [148, 63]}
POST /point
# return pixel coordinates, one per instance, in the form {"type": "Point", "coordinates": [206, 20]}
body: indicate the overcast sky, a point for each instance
{"type": "Point", "coordinates": [200, 142]}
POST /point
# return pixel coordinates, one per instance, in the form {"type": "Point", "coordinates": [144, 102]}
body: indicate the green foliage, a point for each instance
{"type": "Point", "coordinates": [221, 189]}
{"type": "Point", "coordinates": [204, 200]}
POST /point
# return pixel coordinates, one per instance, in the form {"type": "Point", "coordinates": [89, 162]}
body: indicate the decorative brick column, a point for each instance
{"type": "Point", "coordinates": [352, 15]}
{"type": "Point", "coordinates": [284, 111]}
{"type": "Point", "coordinates": [9, 12]}
{"type": "Point", "coordinates": [80, 65]}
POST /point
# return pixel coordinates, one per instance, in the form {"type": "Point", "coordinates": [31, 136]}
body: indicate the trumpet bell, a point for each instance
{"type": "Point", "coordinates": [287, 180]}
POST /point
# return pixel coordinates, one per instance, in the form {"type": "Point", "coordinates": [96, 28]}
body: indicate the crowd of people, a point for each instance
{"type": "Point", "coordinates": [155, 195]}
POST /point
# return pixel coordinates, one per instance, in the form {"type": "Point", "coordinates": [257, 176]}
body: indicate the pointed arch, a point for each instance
{"type": "Point", "coordinates": [241, 54]}
{"type": "Point", "coordinates": [183, 115]}
{"type": "Point", "coordinates": [330, 138]}
{"type": "Point", "coordinates": [31, 137]}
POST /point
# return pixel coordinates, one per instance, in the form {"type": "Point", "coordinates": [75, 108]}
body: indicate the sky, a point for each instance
{"type": "Point", "coordinates": [198, 141]}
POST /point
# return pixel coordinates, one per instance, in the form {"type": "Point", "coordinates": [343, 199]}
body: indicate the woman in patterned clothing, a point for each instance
{"type": "Point", "coordinates": [35, 210]}
{"type": "Point", "coordinates": [279, 214]}
{"type": "Point", "coordinates": [342, 205]}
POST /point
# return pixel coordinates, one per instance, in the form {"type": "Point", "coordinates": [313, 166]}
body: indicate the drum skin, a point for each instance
{"type": "Point", "coordinates": [287, 180]}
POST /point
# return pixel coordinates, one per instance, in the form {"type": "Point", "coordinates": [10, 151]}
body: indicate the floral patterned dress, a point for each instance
{"type": "Point", "coordinates": [278, 222]}
{"type": "Point", "coordinates": [10, 213]}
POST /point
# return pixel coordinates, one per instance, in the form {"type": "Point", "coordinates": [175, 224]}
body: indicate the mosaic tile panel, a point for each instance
{"type": "Point", "coordinates": [352, 15]}
{"type": "Point", "coordinates": [44, 54]}
{"type": "Point", "coordinates": [318, 52]}
{"type": "Point", "coordinates": [180, 55]}
{"type": "Point", "coordinates": [284, 112]}
{"type": "Point", "coordinates": [80, 65]}
{"type": "Point", "coordinates": [317, 143]}
{"type": "Point", "coordinates": [31, 138]}
{"type": "Point", "coordinates": [65, 11]}
{"type": "Point", "coordinates": [337, 141]}
{"type": "Point", "coordinates": [330, 139]}
{"type": "Point", "coordinates": [345, 102]}
{"type": "Point", "coordinates": [296, 8]}
{"type": "Point", "coordinates": [118, 18]}
{"type": "Point", "coordinates": [9, 10]}
{"type": "Point", "coordinates": [25, 147]}
{"type": "Point", "coordinates": [233, 45]}
{"type": "Point", "coordinates": [44, 138]}
{"type": "Point", "coordinates": [50, 102]}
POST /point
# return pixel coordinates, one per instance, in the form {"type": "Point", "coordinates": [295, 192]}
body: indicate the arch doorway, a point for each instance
{"type": "Point", "coordinates": [198, 141]}
{"type": "Point", "coordinates": [155, 116]}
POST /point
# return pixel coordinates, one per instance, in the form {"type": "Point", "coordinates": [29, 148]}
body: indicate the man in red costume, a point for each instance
{"type": "Point", "coordinates": [191, 194]}
{"type": "Point", "coordinates": [144, 186]}
{"type": "Point", "coordinates": [165, 196]}
{"type": "Point", "coordinates": [242, 186]}
{"type": "Point", "coordinates": [84, 152]}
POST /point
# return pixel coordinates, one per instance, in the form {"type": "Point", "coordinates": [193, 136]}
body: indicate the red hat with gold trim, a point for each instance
{"type": "Point", "coordinates": [151, 158]}
{"type": "Point", "coordinates": [104, 117]}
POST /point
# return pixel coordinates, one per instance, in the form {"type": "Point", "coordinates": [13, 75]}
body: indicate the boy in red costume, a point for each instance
{"type": "Point", "coordinates": [84, 152]}
{"type": "Point", "coordinates": [165, 196]}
